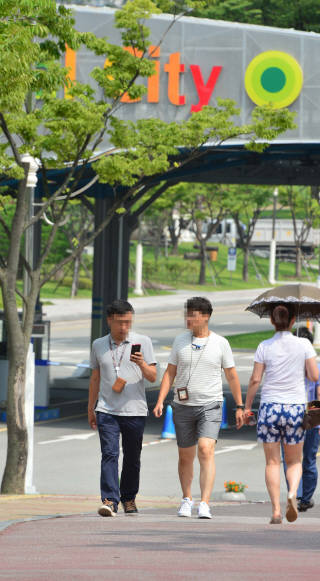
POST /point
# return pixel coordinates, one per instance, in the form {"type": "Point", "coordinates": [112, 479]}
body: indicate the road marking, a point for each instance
{"type": "Point", "coordinates": [68, 438]}
{"type": "Point", "coordinates": [228, 449]}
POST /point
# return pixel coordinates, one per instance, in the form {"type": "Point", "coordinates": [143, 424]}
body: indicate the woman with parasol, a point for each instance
{"type": "Point", "coordinates": [283, 360]}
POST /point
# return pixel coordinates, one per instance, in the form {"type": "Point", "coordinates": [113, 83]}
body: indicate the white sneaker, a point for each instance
{"type": "Point", "coordinates": [185, 507]}
{"type": "Point", "coordinates": [204, 510]}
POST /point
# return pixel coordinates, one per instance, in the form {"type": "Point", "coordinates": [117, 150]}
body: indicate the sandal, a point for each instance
{"type": "Point", "coordinates": [276, 520]}
{"type": "Point", "coordinates": [292, 510]}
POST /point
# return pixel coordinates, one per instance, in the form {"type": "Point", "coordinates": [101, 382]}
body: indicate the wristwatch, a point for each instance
{"type": "Point", "coordinates": [240, 407]}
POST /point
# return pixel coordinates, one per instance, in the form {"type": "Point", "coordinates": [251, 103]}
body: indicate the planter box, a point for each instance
{"type": "Point", "coordinates": [236, 496]}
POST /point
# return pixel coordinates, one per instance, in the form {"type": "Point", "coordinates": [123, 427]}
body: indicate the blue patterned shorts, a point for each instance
{"type": "Point", "coordinates": [280, 422]}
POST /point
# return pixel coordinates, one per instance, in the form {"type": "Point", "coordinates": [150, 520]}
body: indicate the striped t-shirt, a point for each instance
{"type": "Point", "coordinates": [199, 364]}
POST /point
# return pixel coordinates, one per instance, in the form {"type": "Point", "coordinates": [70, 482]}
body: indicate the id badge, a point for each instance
{"type": "Point", "coordinates": [182, 394]}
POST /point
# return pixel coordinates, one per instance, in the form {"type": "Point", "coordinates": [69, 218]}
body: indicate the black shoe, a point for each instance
{"type": "Point", "coordinates": [303, 506]}
{"type": "Point", "coordinates": [129, 507]}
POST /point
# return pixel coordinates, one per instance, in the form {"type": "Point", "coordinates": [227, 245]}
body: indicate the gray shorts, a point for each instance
{"type": "Point", "coordinates": [196, 421]}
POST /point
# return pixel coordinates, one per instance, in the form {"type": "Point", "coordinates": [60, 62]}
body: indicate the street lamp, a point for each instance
{"type": "Point", "coordinates": [32, 180]}
{"type": "Point", "coordinates": [273, 244]}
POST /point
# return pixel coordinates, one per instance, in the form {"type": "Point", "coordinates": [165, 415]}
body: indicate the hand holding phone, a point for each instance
{"type": "Point", "coordinates": [135, 348]}
{"type": "Point", "coordinates": [136, 355]}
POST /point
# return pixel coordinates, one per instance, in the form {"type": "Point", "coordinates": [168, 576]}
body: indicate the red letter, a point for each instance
{"type": "Point", "coordinates": [204, 91]}
{"type": "Point", "coordinates": [174, 68]}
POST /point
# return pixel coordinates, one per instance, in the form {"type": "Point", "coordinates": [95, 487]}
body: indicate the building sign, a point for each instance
{"type": "Point", "coordinates": [274, 77]}
{"type": "Point", "coordinates": [200, 60]}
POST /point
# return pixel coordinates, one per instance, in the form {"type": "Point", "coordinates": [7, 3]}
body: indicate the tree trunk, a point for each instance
{"type": "Point", "coordinates": [245, 269]}
{"type": "Point", "coordinates": [174, 242]}
{"type": "Point", "coordinates": [298, 261]}
{"type": "Point", "coordinates": [17, 450]}
{"type": "Point", "coordinates": [203, 260]}
{"type": "Point", "coordinates": [75, 278]}
{"type": "Point", "coordinates": [175, 248]}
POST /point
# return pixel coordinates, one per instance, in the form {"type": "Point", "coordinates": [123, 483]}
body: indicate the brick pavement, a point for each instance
{"type": "Point", "coordinates": [238, 543]}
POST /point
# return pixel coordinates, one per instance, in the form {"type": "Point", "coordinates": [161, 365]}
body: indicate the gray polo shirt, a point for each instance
{"type": "Point", "coordinates": [132, 400]}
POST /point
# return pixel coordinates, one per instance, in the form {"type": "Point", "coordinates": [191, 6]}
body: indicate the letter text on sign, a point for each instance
{"type": "Point", "coordinates": [174, 68]}
{"type": "Point", "coordinates": [204, 91]}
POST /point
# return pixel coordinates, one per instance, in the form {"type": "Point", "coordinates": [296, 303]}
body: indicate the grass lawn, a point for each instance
{"type": "Point", "coordinates": [182, 273]}
{"type": "Point", "coordinates": [248, 340]}
{"type": "Point", "coordinates": [179, 273]}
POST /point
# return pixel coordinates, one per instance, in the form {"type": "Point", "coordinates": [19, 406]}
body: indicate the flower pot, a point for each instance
{"type": "Point", "coordinates": [234, 496]}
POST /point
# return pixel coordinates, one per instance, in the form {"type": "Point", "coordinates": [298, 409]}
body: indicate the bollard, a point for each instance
{"type": "Point", "coordinates": [168, 430]}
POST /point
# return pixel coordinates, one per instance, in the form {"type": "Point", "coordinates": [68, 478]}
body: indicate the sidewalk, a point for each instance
{"type": "Point", "coordinates": [69, 309]}
{"type": "Point", "coordinates": [238, 543]}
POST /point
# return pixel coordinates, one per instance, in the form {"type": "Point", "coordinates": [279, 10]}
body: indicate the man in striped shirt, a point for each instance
{"type": "Point", "coordinates": [197, 358]}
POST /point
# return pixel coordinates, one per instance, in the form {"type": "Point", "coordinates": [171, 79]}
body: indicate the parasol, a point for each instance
{"type": "Point", "coordinates": [305, 299]}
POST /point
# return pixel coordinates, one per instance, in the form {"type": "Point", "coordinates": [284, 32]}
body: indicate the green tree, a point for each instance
{"type": "Point", "coordinates": [36, 118]}
{"type": "Point", "coordinates": [305, 213]}
{"type": "Point", "coordinates": [168, 210]}
{"type": "Point", "coordinates": [200, 206]}
{"type": "Point", "coordinates": [298, 14]}
{"type": "Point", "coordinates": [245, 204]}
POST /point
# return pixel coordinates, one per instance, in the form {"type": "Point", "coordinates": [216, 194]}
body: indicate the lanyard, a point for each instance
{"type": "Point", "coordinates": [116, 364]}
{"type": "Point", "coordinates": [196, 365]}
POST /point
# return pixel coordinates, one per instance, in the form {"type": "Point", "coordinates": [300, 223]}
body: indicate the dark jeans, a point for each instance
{"type": "Point", "coordinates": [131, 429]}
{"type": "Point", "coordinates": [308, 482]}
{"type": "Point", "coordinates": [309, 464]}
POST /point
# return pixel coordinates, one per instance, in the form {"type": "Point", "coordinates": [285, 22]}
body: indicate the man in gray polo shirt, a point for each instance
{"type": "Point", "coordinates": [195, 364]}
{"type": "Point", "coordinates": [117, 405]}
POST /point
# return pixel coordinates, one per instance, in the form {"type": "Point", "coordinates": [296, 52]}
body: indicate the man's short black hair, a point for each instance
{"type": "Point", "coordinates": [304, 333]}
{"type": "Point", "coordinates": [200, 304]}
{"type": "Point", "coordinates": [119, 307]}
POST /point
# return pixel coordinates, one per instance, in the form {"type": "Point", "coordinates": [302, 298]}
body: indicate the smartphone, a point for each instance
{"type": "Point", "coordinates": [135, 348]}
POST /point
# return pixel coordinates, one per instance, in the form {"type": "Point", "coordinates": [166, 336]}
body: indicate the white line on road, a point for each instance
{"type": "Point", "coordinates": [68, 438]}
{"type": "Point", "coordinates": [236, 448]}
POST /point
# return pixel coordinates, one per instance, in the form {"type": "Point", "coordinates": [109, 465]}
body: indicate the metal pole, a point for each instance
{"type": "Point", "coordinates": [32, 180]}
{"type": "Point", "coordinates": [29, 487]}
{"type": "Point", "coordinates": [139, 261]}
{"type": "Point", "coordinates": [120, 247]}
{"type": "Point", "coordinates": [139, 264]}
{"type": "Point", "coordinates": [272, 259]}
{"type": "Point", "coordinates": [33, 166]}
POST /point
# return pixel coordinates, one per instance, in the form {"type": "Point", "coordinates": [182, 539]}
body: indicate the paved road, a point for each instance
{"type": "Point", "coordinates": [238, 543]}
{"type": "Point", "coordinates": [67, 461]}
{"type": "Point", "coordinates": [70, 341]}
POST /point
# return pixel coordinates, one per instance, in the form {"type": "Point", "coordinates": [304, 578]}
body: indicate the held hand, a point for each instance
{"type": "Point", "coordinates": [239, 419]}
{"type": "Point", "coordinates": [92, 419]}
{"type": "Point", "coordinates": [158, 410]}
{"type": "Point", "coordinates": [137, 358]}
{"type": "Point", "coordinates": [247, 412]}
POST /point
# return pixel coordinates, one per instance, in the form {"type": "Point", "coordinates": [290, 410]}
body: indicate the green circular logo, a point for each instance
{"type": "Point", "coordinates": [275, 78]}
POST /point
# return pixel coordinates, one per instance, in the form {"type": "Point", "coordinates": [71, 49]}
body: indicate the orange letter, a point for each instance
{"type": "Point", "coordinates": [174, 68]}
{"type": "Point", "coordinates": [138, 53]}
{"type": "Point", "coordinates": [153, 82]}
{"type": "Point", "coordinates": [204, 91]}
{"type": "Point", "coordinates": [70, 63]}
